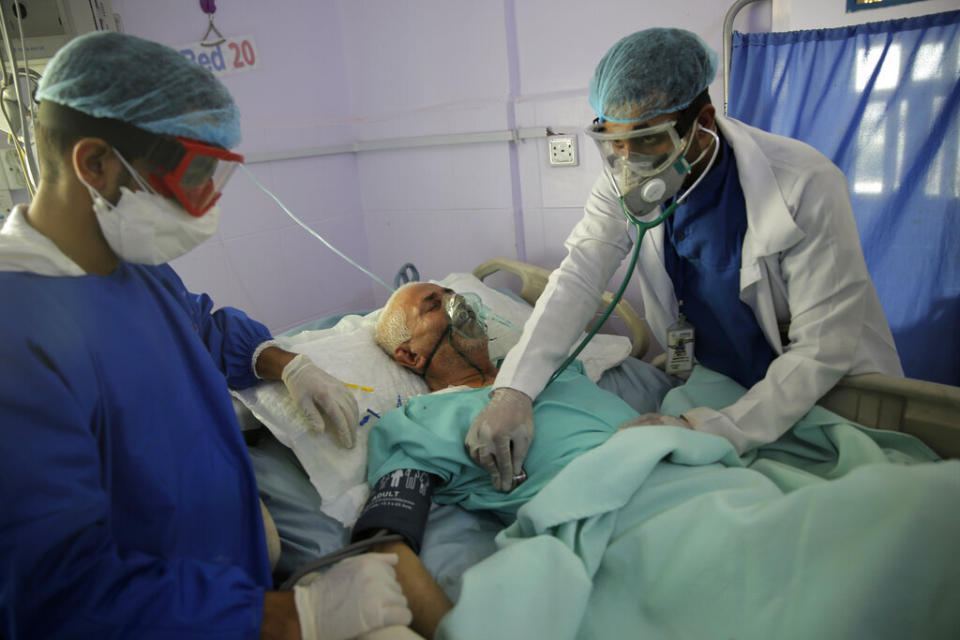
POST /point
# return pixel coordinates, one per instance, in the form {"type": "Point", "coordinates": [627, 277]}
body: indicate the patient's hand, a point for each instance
{"type": "Point", "coordinates": [656, 419]}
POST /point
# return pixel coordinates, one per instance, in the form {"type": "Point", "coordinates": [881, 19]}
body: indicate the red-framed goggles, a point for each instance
{"type": "Point", "coordinates": [191, 171]}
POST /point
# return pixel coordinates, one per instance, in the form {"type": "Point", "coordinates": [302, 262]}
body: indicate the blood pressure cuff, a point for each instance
{"type": "Point", "coordinates": [399, 502]}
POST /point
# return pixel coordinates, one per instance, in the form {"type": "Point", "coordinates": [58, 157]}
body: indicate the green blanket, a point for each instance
{"type": "Point", "coordinates": [835, 531]}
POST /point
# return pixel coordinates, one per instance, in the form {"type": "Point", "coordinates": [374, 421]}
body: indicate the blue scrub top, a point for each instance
{"type": "Point", "coordinates": [703, 247]}
{"type": "Point", "coordinates": [129, 507]}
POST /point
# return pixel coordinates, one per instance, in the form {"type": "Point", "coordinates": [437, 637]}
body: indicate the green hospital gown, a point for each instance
{"type": "Point", "coordinates": [572, 416]}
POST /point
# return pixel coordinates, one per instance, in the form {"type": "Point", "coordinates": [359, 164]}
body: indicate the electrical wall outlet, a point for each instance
{"type": "Point", "coordinates": [562, 151]}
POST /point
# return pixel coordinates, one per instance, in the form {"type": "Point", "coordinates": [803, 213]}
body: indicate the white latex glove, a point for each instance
{"type": "Point", "coordinates": [391, 633]}
{"type": "Point", "coordinates": [356, 595]}
{"type": "Point", "coordinates": [656, 419]}
{"type": "Point", "coordinates": [324, 399]}
{"type": "Point", "coordinates": [500, 436]}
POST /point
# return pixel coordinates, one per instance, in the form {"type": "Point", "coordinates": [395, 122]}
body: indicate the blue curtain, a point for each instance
{"type": "Point", "coordinates": [881, 100]}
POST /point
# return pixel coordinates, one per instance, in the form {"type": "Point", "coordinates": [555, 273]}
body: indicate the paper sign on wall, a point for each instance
{"type": "Point", "coordinates": [233, 55]}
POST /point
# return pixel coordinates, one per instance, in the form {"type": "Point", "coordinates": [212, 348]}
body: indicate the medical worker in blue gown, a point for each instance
{"type": "Point", "coordinates": [762, 251]}
{"type": "Point", "coordinates": [129, 508]}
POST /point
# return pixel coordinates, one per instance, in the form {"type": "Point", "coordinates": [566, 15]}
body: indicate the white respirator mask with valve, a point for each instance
{"type": "Point", "coordinates": [647, 165]}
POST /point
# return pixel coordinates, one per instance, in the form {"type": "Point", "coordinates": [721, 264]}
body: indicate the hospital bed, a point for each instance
{"type": "Point", "coordinates": [927, 410]}
{"type": "Point", "coordinates": [313, 515]}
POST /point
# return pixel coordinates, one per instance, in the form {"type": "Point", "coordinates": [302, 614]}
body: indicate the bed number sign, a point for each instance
{"type": "Point", "coordinates": [233, 55]}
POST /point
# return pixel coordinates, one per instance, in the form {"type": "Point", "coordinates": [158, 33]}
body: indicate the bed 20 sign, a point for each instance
{"type": "Point", "coordinates": [233, 55]}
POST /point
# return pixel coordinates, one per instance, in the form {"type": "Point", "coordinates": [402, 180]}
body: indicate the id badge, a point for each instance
{"type": "Point", "coordinates": [681, 338]}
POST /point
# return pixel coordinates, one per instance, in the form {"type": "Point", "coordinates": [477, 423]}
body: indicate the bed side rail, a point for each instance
{"type": "Point", "coordinates": [534, 279]}
{"type": "Point", "coordinates": [927, 410]}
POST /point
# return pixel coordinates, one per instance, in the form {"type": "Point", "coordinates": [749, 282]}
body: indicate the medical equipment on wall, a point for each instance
{"type": "Point", "coordinates": [18, 106]}
{"type": "Point", "coordinates": [652, 189]}
{"type": "Point", "coordinates": [209, 7]}
{"type": "Point", "coordinates": [32, 33]}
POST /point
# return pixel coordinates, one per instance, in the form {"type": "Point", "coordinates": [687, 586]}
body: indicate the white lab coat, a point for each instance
{"type": "Point", "coordinates": [801, 265]}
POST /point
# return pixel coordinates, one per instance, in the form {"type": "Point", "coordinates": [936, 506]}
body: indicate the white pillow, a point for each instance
{"type": "Point", "coordinates": [349, 351]}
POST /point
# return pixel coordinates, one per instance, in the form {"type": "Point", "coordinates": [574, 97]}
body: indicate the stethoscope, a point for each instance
{"type": "Point", "coordinates": [641, 227]}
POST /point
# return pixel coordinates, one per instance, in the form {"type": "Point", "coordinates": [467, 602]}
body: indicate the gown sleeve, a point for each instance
{"type": "Point", "coordinates": [230, 335]}
{"type": "Point", "coordinates": [828, 288]}
{"type": "Point", "coordinates": [595, 249]}
{"type": "Point", "coordinates": [64, 573]}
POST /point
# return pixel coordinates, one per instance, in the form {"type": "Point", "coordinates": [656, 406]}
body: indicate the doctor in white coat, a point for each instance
{"type": "Point", "coordinates": [762, 249]}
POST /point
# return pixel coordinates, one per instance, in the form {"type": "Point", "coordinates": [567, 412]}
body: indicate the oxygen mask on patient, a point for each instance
{"type": "Point", "coordinates": [471, 318]}
{"type": "Point", "coordinates": [463, 321]}
{"type": "Point", "coordinates": [464, 317]}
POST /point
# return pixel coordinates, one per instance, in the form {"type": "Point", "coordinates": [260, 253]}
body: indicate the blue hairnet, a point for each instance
{"type": "Point", "coordinates": [651, 72]}
{"type": "Point", "coordinates": [106, 74]}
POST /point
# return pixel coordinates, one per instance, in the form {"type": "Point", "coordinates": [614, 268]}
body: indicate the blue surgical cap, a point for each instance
{"type": "Point", "coordinates": [651, 72]}
{"type": "Point", "coordinates": [106, 74]}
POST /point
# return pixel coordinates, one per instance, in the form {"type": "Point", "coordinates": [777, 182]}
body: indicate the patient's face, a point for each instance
{"type": "Point", "coordinates": [427, 320]}
{"type": "Point", "coordinates": [423, 304]}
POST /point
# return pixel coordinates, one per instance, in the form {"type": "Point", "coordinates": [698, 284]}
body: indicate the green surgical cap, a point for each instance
{"type": "Point", "coordinates": [651, 72]}
{"type": "Point", "coordinates": [106, 74]}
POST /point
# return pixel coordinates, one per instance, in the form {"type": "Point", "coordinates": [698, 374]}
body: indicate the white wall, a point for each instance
{"type": "Point", "coordinates": [447, 66]}
{"type": "Point", "coordinates": [340, 70]}
{"type": "Point", "coordinates": [423, 68]}
{"type": "Point", "coordinates": [332, 72]}
{"type": "Point", "coordinates": [260, 260]}
{"type": "Point", "coordinates": [454, 66]}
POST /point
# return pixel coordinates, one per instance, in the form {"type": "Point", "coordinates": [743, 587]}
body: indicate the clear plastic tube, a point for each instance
{"type": "Point", "coordinates": [312, 232]}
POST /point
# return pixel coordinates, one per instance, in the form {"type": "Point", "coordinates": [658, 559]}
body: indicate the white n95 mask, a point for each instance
{"type": "Point", "coordinates": [147, 228]}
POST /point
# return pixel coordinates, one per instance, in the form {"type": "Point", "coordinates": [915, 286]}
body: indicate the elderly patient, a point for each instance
{"type": "Point", "coordinates": [417, 453]}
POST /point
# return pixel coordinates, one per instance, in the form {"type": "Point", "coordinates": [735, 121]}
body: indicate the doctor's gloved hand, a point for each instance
{"type": "Point", "coordinates": [355, 596]}
{"type": "Point", "coordinates": [325, 400]}
{"type": "Point", "coordinates": [500, 436]}
{"type": "Point", "coordinates": [656, 419]}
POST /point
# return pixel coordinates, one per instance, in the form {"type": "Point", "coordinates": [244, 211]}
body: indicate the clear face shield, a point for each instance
{"type": "Point", "coordinates": [646, 165]}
